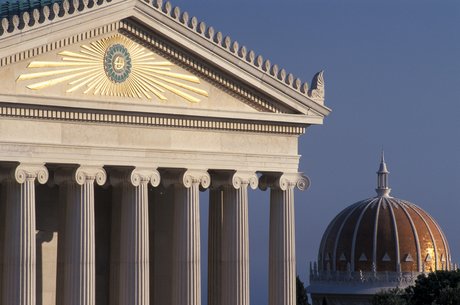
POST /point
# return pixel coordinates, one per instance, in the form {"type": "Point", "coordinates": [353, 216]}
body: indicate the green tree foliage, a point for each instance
{"type": "Point", "coordinates": [301, 292]}
{"type": "Point", "coordinates": [436, 288]}
{"type": "Point", "coordinates": [390, 297]}
{"type": "Point", "coordinates": [449, 296]}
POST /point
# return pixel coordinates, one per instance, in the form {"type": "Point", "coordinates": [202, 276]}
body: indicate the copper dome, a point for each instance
{"type": "Point", "coordinates": [383, 234]}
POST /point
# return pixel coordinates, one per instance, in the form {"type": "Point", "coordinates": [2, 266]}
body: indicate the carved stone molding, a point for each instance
{"type": "Point", "coordinates": [144, 119]}
{"type": "Point", "coordinates": [219, 79]}
{"type": "Point", "coordinates": [186, 177]}
{"type": "Point", "coordinates": [80, 175]}
{"type": "Point", "coordinates": [45, 15]}
{"type": "Point", "coordinates": [135, 176]}
{"type": "Point", "coordinates": [235, 179]}
{"type": "Point", "coordinates": [284, 181]}
{"type": "Point", "coordinates": [51, 46]}
{"type": "Point", "coordinates": [317, 91]}
{"type": "Point", "coordinates": [24, 171]}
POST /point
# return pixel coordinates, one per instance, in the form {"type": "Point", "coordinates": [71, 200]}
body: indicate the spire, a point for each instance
{"type": "Point", "coordinates": [382, 178]}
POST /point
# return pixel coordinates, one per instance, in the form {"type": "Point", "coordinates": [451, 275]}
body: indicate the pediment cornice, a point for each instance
{"type": "Point", "coordinates": [147, 115]}
{"type": "Point", "coordinates": [173, 33]}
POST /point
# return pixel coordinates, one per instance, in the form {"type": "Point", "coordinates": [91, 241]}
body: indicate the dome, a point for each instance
{"type": "Point", "coordinates": [378, 243]}
{"type": "Point", "coordinates": [384, 233]}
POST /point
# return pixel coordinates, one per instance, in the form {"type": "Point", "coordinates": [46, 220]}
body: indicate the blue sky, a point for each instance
{"type": "Point", "coordinates": [392, 72]}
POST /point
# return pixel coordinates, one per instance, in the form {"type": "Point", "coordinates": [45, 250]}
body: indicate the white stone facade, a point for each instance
{"type": "Point", "coordinates": [101, 179]}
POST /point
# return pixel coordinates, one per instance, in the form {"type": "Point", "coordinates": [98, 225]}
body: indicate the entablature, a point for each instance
{"type": "Point", "coordinates": [148, 115]}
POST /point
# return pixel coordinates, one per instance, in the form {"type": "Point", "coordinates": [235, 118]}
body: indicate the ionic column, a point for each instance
{"type": "Point", "coordinates": [235, 236]}
{"type": "Point", "coordinates": [19, 256]}
{"type": "Point", "coordinates": [134, 285]}
{"type": "Point", "coordinates": [186, 249]}
{"type": "Point", "coordinates": [282, 262]}
{"type": "Point", "coordinates": [79, 253]}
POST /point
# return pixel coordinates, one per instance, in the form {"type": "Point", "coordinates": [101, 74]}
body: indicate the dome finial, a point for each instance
{"type": "Point", "coordinates": [382, 178]}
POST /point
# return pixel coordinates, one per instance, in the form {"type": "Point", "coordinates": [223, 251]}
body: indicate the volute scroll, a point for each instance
{"type": "Point", "coordinates": [21, 172]}
{"type": "Point", "coordinates": [31, 171]}
{"type": "Point", "coordinates": [284, 181]}
{"type": "Point", "coordinates": [245, 178]}
{"type": "Point", "coordinates": [145, 175]}
{"type": "Point", "coordinates": [200, 177]}
{"type": "Point", "coordinates": [235, 179]}
{"type": "Point", "coordinates": [90, 173]}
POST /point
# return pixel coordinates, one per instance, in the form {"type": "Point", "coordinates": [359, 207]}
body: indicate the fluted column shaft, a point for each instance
{"type": "Point", "coordinates": [186, 288]}
{"type": "Point", "coordinates": [235, 236]}
{"type": "Point", "coordinates": [235, 240]}
{"type": "Point", "coordinates": [282, 261]}
{"type": "Point", "coordinates": [79, 253]}
{"type": "Point", "coordinates": [134, 285]}
{"type": "Point", "coordinates": [215, 246]}
{"type": "Point", "coordinates": [19, 257]}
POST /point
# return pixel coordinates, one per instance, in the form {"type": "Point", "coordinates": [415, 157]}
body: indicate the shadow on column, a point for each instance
{"type": "Point", "coordinates": [161, 224]}
{"type": "Point", "coordinates": [41, 238]}
{"type": "Point", "coordinates": [103, 219]}
{"type": "Point", "coordinates": [47, 223]}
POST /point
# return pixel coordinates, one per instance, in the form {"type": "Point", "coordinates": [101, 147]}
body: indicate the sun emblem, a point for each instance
{"type": "Point", "coordinates": [114, 66]}
{"type": "Point", "coordinates": [117, 63]}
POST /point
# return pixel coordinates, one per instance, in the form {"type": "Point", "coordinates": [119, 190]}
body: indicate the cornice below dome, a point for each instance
{"type": "Point", "coordinates": [348, 283]}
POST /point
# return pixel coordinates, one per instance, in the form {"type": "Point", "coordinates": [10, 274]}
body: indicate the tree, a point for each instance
{"type": "Point", "coordinates": [436, 288]}
{"type": "Point", "coordinates": [449, 296]}
{"type": "Point", "coordinates": [302, 298]}
{"type": "Point", "coordinates": [394, 296]}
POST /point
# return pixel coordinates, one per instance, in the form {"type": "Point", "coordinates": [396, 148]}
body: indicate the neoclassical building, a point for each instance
{"type": "Point", "coordinates": [114, 115]}
{"type": "Point", "coordinates": [376, 244]}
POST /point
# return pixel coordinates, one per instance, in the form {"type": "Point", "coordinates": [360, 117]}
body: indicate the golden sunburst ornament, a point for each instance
{"type": "Point", "coordinates": [114, 66]}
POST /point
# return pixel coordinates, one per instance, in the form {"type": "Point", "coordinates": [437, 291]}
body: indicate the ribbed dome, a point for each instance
{"type": "Point", "coordinates": [384, 234]}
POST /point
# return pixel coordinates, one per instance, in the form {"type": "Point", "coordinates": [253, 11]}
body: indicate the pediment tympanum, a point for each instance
{"type": "Point", "coordinates": [116, 68]}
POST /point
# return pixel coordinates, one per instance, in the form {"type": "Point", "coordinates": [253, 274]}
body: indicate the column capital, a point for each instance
{"type": "Point", "coordinates": [22, 172]}
{"type": "Point", "coordinates": [237, 179]}
{"type": "Point", "coordinates": [136, 176]}
{"type": "Point", "coordinates": [186, 177]}
{"type": "Point", "coordinates": [80, 175]}
{"type": "Point", "coordinates": [284, 181]}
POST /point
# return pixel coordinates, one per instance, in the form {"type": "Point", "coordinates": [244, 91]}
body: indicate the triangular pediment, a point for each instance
{"type": "Point", "coordinates": [130, 52]}
{"type": "Point", "coordinates": [117, 68]}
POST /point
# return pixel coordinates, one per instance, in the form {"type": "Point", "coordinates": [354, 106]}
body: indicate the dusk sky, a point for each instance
{"type": "Point", "coordinates": [392, 72]}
